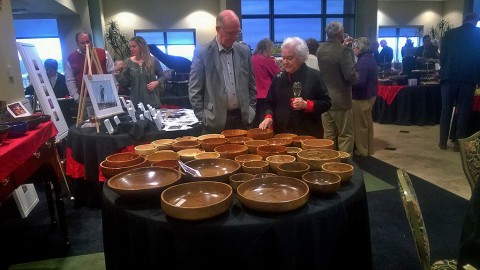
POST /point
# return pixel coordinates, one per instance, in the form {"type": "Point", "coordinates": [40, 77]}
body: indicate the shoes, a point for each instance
{"type": "Point", "coordinates": [456, 148]}
{"type": "Point", "coordinates": [442, 146]}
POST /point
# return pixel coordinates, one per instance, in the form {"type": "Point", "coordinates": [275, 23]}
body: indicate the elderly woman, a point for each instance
{"type": "Point", "coordinates": [364, 94]}
{"type": "Point", "coordinates": [300, 115]}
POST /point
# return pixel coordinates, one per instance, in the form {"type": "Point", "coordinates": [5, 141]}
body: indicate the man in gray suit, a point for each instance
{"type": "Point", "coordinates": [336, 61]}
{"type": "Point", "coordinates": [221, 84]}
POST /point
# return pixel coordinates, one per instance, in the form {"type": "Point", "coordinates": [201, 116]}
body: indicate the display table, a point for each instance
{"type": "Point", "coordinates": [22, 157]}
{"type": "Point", "coordinates": [327, 233]}
{"type": "Point", "coordinates": [408, 105]}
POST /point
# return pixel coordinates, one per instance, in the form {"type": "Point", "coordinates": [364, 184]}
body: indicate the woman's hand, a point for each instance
{"type": "Point", "coordinates": [151, 85]}
{"type": "Point", "coordinates": [119, 65]}
{"type": "Point", "coordinates": [299, 104]}
{"type": "Point", "coordinates": [266, 123]}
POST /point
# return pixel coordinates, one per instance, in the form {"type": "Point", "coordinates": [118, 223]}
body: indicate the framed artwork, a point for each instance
{"type": "Point", "coordinates": [103, 94]}
{"type": "Point", "coordinates": [17, 109]}
{"type": "Point", "coordinates": [43, 90]}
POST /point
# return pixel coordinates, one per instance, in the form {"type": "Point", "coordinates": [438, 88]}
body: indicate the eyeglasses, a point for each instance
{"type": "Point", "coordinates": [235, 34]}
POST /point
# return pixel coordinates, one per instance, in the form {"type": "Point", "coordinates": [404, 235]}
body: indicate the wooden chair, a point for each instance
{"type": "Point", "coordinates": [470, 155]}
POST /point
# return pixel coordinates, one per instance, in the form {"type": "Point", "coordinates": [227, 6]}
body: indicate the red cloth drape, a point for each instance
{"type": "Point", "coordinates": [389, 92]}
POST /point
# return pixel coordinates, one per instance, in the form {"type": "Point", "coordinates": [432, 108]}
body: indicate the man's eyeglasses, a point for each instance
{"type": "Point", "coordinates": [235, 34]}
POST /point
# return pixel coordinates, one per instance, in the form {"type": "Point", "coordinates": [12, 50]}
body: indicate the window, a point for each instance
{"type": "Point", "coordinates": [396, 38]}
{"type": "Point", "coordinates": [278, 19]}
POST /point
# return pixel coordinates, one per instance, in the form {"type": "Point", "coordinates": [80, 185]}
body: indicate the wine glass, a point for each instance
{"type": "Point", "coordinates": [297, 89]}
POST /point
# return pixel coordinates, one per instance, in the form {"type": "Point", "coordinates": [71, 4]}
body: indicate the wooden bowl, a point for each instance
{"type": "Point", "coordinates": [237, 179]}
{"type": "Point", "coordinates": [157, 156]}
{"type": "Point", "coordinates": [317, 143]}
{"type": "Point", "coordinates": [317, 157]}
{"type": "Point", "coordinates": [253, 145]}
{"type": "Point", "coordinates": [208, 136]}
{"type": "Point", "coordinates": [297, 141]}
{"type": "Point", "coordinates": [344, 170]}
{"type": "Point", "coordinates": [186, 138]}
{"type": "Point", "coordinates": [276, 160]}
{"type": "Point", "coordinates": [228, 133]}
{"type": "Point", "coordinates": [285, 135]}
{"type": "Point", "coordinates": [270, 150]}
{"type": "Point", "coordinates": [163, 144]}
{"type": "Point", "coordinates": [109, 172]}
{"type": "Point", "coordinates": [209, 144]}
{"type": "Point", "coordinates": [255, 167]}
{"type": "Point", "coordinates": [247, 157]}
{"type": "Point", "coordinates": [264, 175]}
{"type": "Point", "coordinates": [322, 182]}
{"type": "Point", "coordinates": [189, 153]}
{"type": "Point", "coordinates": [213, 169]}
{"type": "Point", "coordinates": [292, 150]}
{"type": "Point", "coordinates": [205, 155]}
{"type": "Point", "coordinates": [293, 169]}
{"type": "Point", "coordinates": [280, 141]}
{"type": "Point", "coordinates": [124, 159]}
{"type": "Point", "coordinates": [260, 134]}
{"type": "Point", "coordinates": [230, 151]}
{"type": "Point", "coordinates": [144, 181]}
{"type": "Point", "coordinates": [180, 145]}
{"type": "Point", "coordinates": [273, 194]}
{"type": "Point", "coordinates": [167, 163]}
{"type": "Point", "coordinates": [196, 200]}
{"type": "Point", "coordinates": [239, 140]}
{"type": "Point", "coordinates": [344, 156]}
{"type": "Point", "coordinates": [145, 149]}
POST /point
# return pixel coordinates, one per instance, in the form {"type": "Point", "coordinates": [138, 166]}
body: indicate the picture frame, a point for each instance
{"type": "Point", "coordinates": [103, 94]}
{"type": "Point", "coordinates": [17, 109]}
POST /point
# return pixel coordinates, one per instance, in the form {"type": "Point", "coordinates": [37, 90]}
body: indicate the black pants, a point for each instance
{"type": "Point", "coordinates": [234, 120]}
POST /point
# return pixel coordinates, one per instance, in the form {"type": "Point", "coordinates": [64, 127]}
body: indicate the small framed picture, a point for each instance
{"type": "Point", "coordinates": [104, 96]}
{"type": "Point", "coordinates": [17, 109]}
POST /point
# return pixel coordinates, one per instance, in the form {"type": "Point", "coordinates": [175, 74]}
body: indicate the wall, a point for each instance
{"type": "Point", "coordinates": [453, 11]}
{"type": "Point", "coordinates": [366, 19]}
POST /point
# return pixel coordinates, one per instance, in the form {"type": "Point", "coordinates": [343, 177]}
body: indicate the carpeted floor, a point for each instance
{"type": "Point", "coordinates": [34, 244]}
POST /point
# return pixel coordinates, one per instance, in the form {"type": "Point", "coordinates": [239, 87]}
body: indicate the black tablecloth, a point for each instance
{"type": "Point", "coordinates": [327, 233]}
{"type": "Point", "coordinates": [413, 105]}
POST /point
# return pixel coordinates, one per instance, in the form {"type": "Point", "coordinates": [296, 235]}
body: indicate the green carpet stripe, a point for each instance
{"type": "Point", "coordinates": [373, 183]}
{"type": "Point", "coordinates": [94, 261]}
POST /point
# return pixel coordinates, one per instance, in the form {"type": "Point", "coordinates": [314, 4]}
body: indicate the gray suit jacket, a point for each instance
{"type": "Point", "coordinates": [337, 65]}
{"type": "Point", "coordinates": [207, 91]}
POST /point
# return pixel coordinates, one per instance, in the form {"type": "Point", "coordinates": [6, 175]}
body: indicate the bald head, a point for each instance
{"type": "Point", "coordinates": [228, 28]}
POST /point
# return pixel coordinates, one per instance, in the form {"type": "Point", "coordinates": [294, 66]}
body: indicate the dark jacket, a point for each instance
{"type": "Point", "coordinates": [278, 102]}
{"type": "Point", "coordinates": [367, 85]}
{"type": "Point", "coordinates": [60, 88]}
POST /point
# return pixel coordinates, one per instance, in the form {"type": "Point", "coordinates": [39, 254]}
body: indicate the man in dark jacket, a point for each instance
{"type": "Point", "coordinates": [459, 75]}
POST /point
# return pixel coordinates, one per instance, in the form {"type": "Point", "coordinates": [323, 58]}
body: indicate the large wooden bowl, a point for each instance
{"type": "Point", "coordinates": [163, 144]}
{"type": "Point", "coordinates": [279, 141]}
{"type": "Point", "coordinates": [322, 182]}
{"type": "Point", "coordinates": [144, 181]}
{"type": "Point", "coordinates": [145, 149]}
{"type": "Point", "coordinates": [230, 150]}
{"type": "Point", "coordinates": [293, 169]}
{"type": "Point", "coordinates": [255, 167]}
{"type": "Point", "coordinates": [205, 155]}
{"type": "Point", "coordinates": [209, 144]}
{"type": "Point", "coordinates": [285, 135]}
{"type": "Point", "coordinates": [297, 141]}
{"type": "Point", "coordinates": [344, 170]}
{"type": "Point", "coordinates": [213, 169]}
{"type": "Point", "coordinates": [270, 150]}
{"type": "Point", "coordinates": [110, 172]}
{"type": "Point", "coordinates": [276, 160]}
{"type": "Point", "coordinates": [317, 157]}
{"type": "Point", "coordinates": [122, 159]}
{"type": "Point", "coordinates": [189, 153]}
{"type": "Point", "coordinates": [317, 143]}
{"type": "Point", "coordinates": [208, 136]}
{"type": "Point", "coordinates": [253, 145]}
{"type": "Point", "coordinates": [163, 155]}
{"type": "Point", "coordinates": [196, 200]}
{"type": "Point", "coordinates": [177, 146]}
{"type": "Point", "coordinates": [228, 133]}
{"type": "Point", "coordinates": [239, 140]}
{"type": "Point", "coordinates": [247, 157]}
{"type": "Point", "coordinates": [260, 134]}
{"type": "Point", "coordinates": [273, 194]}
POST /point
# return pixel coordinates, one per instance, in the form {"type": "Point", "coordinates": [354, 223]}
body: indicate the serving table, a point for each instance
{"type": "Point", "coordinates": [22, 157]}
{"type": "Point", "coordinates": [327, 233]}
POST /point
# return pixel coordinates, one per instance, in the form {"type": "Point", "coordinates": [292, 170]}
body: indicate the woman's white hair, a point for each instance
{"type": "Point", "coordinates": [298, 45]}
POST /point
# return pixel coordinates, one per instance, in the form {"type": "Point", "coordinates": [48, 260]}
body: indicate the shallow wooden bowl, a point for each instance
{"type": "Point", "coordinates": [177, 146]}
{"type": "Point", "coordinates": [273, 194]}
{"type": "Point", "coordinates": [270, 150]}
{"type": "Point", "coordinates": [293, 169]}
{"type": "Point", "coordinates": [145, 149]}
{"type": "Point", "coordinates": [157, 156]}
{"type": "Point", "coordinates": [209, 144]}
{"type": "Point", "coordinates": [239, 140]}
{"type": "Point", "coordinates": [109, 172]}
{"type": "Point", "coordinates": [197, 200]}
{"type": "Point", "coordinates": [230, 151]}
{"type": "Point", "coordinates": [322, 182]}
{"type": "Point", "coordinates": [167, 163]}
{"type": "Point", "coordinates": [344, 170]}
{"type": "Point", "coordinates": [297, 141]}
{"type": "Point", "coordinates": [208, 136]}
{"type": "Point", "coordinates": [237, 179]}
{"type": "Point", "coordinates": [247, 157]}
{"type": "Point", "coordinates": [163, 144]}
{"type": "Point", "coordinates": [280, 141]}
{"type": "Point", "coordinates": [285, 135]}
{"type": "Point", "coordinates": [228, 133]}
{"type": "Point", "coordinates": [189, 153]}
{"type": "Point", "coordinates": [344, 156]}
{"type": "Point", "coordinates": [264, 175]}
{"type": "Point", "coordinates": [205, 155]}
{"type": "Point", "coordinates": [213, 169]}
{"type": "Point", "coordinates": [255, 167]}
{"type": "Point", "coordinates": [253, 145]}
{"type": "Point", "coordinates": [122, 159]}
{"type": "Point", "coordinates": [145, 181]}
{"type": "Point", "coordinates": [186, 138]}
{"type": "Point", "coordinates": [317, 157]}
{"type": "Point", "coordinates": [276, 160]}
{"type": "Point", "coordinates": [292, 150]}
{"type": "Point", "coordinates": [317, 143]}
{"type": "Point", "coordinates": [260, 134]}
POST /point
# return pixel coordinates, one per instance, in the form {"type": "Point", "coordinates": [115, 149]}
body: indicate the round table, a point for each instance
{"type": "Point", "coordinates": [327, 233]}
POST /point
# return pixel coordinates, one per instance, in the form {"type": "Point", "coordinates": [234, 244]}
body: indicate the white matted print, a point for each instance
{"type": "Point", "coordinates": [103, 94]}
{"type": "Point", "coordinates": [16, 109]}
{"type": "Point", "coordinates": [43, 89]}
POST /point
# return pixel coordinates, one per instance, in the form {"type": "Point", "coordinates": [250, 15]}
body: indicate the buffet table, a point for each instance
{"type": "Point", "coordinates": [408, 105]}
{"type": "Point", "coordinates": [327, 233]}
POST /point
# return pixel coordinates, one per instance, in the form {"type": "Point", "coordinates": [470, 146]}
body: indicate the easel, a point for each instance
{"type": "Point", "coordinates": [90, 55]}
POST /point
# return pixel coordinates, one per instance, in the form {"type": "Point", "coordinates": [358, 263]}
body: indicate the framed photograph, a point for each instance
{"type": "Point", "coordinates": [17, 109]}
{"type": "Point", "coordinates": [103, 94]}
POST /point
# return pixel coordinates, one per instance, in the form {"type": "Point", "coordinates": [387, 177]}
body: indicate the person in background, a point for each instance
{"type": "Point", "coordinates": [376, 54]}
{"type": "Point", "coordinates": [75, 63]}
{"type": "Point", "coordinates": [298, 115]}
{"type": "Point", "coordinates": [408, 58]}
{"type": "Point", "coordinates": [364, 93]}
{"type": "Point", "coordinates": [427, 50]}
{"type": "Point", "coordinates": [386, 55]}
{"type": "Point", "coordinates": [459, 75]}
{"type": "Point", "coordinates": [312, 61]}
{"type": "Point", "coordinates": [142, 73]}
{"type": "Point", "coordinates": [336, 61]}
{"type": "Point", "coordinates": [264, 68]}
{"type": "Point", "coordinates": [57, 80]}
{"type": "Point", "coordinates": [222, 85]}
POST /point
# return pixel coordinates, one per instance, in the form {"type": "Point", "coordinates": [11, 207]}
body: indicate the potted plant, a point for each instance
{"type": "Point", "coordinates": [117, 41]}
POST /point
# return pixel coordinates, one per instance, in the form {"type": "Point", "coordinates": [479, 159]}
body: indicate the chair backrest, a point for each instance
{"type": "Point", "coordinates": [415, 218]}
{"type": "Point", "coordinates": [470, 155]}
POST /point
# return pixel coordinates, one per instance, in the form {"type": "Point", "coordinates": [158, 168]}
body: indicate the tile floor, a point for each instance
{"type": "Point", "coordinates": [417, 152]}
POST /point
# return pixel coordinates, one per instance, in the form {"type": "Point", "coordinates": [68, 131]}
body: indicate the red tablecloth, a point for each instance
{"type": "Point", "coordinates": [15, 151]}
{"type": "Point", "coordinates": [476, 104]}
{"type": "Point", "coordinates": [389, 92]}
